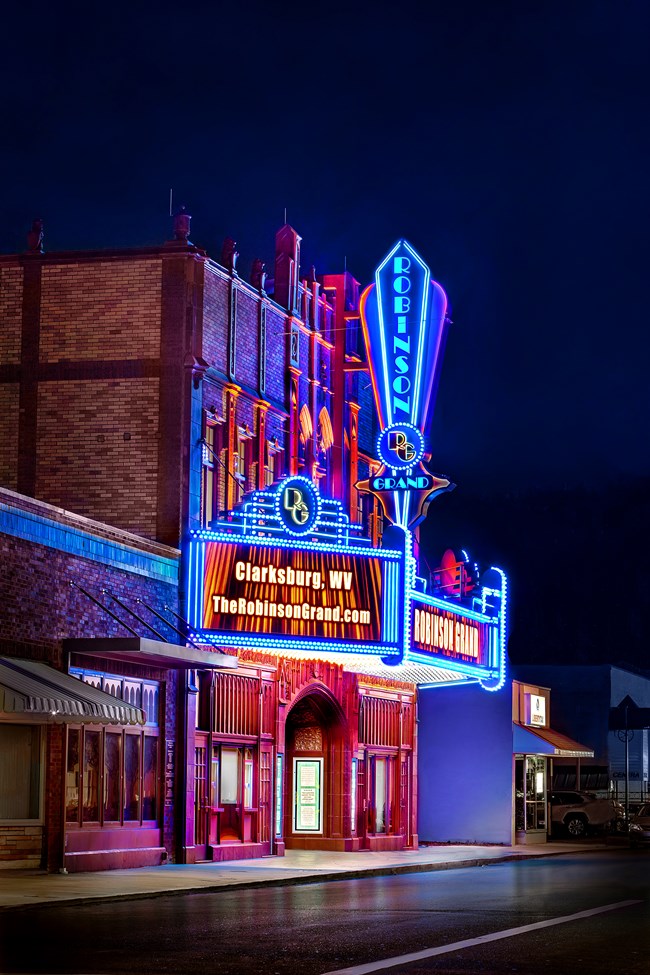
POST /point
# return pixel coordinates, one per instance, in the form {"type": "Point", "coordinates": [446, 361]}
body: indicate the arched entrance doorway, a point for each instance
{"type": "Point", "coordinates": [314, 785]}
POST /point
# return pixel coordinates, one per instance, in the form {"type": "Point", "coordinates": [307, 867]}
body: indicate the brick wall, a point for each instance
{"type": "Point", "coordinates": [97, 449]}
{"type": "Point", "coordinates": [215, 319]}
{"type": "Point", "coordinates": [100, 310]}
{"type": "Point", "coordinates": [41, 608]}
{"type": "Point", "coordinates": [11, 297]}
{"type": "Point", "coordinates": [9, 434]}
{"type": "Point", "coordinates": [20, 846]}
{"type": "Point", "coordinates": [247, 371]}
{"type": "Point", "coordinates": [276, 361]}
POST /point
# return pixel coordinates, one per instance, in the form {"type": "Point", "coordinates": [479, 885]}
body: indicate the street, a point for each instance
{"type": "Point", "coordinates": [356, 925]}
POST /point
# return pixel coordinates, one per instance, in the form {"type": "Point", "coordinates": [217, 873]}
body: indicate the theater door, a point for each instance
{"type": "Point", "coordinates": [313, 789]}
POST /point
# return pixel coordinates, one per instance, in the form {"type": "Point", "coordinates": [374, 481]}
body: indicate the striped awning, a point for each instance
{"type": "Point", "coordinates": [29, 688]}
{"type": "Point", "coordinates": [546, 741]}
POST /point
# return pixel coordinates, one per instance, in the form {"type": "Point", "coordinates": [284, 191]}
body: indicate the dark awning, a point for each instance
{"type": "Point", "coordinates": [32, 689]}
{"type": "Point", "coordinates": [545, 741]}
{"type": "Point", "coordinates": [138, 650]}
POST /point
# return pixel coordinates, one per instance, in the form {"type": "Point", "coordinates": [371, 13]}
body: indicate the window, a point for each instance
{"type": "Point", "coordinates": [72, 777]}
{"type": "Point", "coordinates": [273, 467]}
{"type": "Point", "coordinates": [150, 778]}
{"type": "Point", "coordinates": [131, 777]}
{"type": "Point", "coordinates": [248, 778]}
{"type": "Point", "coordinates": [111, 777]}
{"type": "Point", "coordinates": [143, 694]}
{"type": "Point", "coordinates": [380, 795]}
{"type": "Point", "coordinates": [278, 795]}
{"type": "Point", "coordinates": [20, 771]}
{"type": "Point", "coordinates": [213, 498]}
{"type": "Point", "coordinates": [208, 493]}
{"type": "Point", "coordinates": [383, 786]}
{"type": "Point", "coordinates": [90, 791]}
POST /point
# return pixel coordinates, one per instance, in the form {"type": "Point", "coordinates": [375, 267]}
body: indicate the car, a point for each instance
{"type": "Point", "coordinates": [639, 830]}
{"type": "Point", "coordinates": [579, 811]}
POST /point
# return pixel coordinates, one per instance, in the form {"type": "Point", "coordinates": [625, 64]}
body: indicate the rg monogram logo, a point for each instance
{"type": "Point", "coordinates": [295, 504]}
{"type": "Point", "coordinates": [398, 442]}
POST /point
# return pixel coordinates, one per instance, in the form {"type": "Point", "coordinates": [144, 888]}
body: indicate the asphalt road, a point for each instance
{"type": "Point", "coordinates": [519, 910]}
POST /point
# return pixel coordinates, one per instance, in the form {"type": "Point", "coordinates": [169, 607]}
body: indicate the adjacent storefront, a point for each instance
{"type": "Point", "coordinates": [536, 746]}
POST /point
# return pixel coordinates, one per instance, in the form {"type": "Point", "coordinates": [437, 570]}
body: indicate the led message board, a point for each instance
{"type": "Point", "coordinates": [252, 592]}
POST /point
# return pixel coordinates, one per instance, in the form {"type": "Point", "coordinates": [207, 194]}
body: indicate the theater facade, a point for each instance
{"type": "Point", "coordinates": [313, 743]}
{"type": "Point", "coordinates": [267, 440]}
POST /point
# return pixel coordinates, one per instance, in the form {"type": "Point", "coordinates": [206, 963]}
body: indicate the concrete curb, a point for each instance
{"type": "Point", "coordinates": [297, 880]}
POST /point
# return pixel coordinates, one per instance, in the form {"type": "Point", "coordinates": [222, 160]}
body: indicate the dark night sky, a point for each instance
{"type": "Point", "coordinates": [507, 141]}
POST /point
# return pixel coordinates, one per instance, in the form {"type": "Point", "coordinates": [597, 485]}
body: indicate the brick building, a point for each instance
{"type": "Point", "coordinates": [157, 392]}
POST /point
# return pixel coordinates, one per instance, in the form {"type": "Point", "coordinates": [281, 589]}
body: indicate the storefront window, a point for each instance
{"type": "Point", "coordinates": [353, 797]}
{"type": "Point", "coordinates": [112, 776]}
{"type": "Point", "coordinates": [229, 776]}
{"type": "Point", "coordinates": [20, 765]}
{"type": "Point", "coordinates": [278, 795]}
{"type": "Point", "coordinates": [248, 779]}
{"type": "Point", "coordinates": [150, 778]}
{"type": "Point", "coordinates": [72, 777]}
{"type": "Point", "coordinates": [132, 777]}
{"type": "Point", "coordinates": [380, 795]}
{"type": "Point", "coordinates": [90, 810]}
{"type": "Point", "coordinates": [119, 781]}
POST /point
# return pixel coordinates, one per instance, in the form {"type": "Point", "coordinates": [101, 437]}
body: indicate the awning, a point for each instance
{"type": "Point", "coordinates": [137, 650]}
{"type": "Point", "coordinates": [545, 741]}
{"type": "Point", "coordinates": [32, 689]}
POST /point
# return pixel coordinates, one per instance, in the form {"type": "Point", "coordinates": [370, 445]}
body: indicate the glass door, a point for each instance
{"type": "Point", "coordinates": [530, 793]}
{"type": "Point", "coordinates": [535, 792]}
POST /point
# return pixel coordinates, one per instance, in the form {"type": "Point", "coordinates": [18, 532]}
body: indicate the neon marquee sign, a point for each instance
{"type": "Point", "coordinates": [468, 641]}
{"type": "Point", "coordinates": [404, 320]}
{"type": "Point", "coordinates": [255, 592]}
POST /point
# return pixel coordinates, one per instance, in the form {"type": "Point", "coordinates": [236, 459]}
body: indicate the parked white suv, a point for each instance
{"type": "Point", "coordinates": [578, 811]}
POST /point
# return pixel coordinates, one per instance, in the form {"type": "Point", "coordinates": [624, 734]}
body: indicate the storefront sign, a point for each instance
{"type": "Point", "coordinates": [536, 708]}
{"type": "Point", "coordinates": [445, 633]}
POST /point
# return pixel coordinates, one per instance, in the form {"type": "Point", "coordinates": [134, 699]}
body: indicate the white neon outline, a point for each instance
{"type": "Point", "coordinates": [501, 662]}
{"type": "Point", "coordinates": [457, 666]}
{"type": "Point", "coordinates": [393, 426]}
{"type": "Point", "coordinates": [382, 329]}
{"type": "Point", "coordinates": [423, 321]}
{"type": "Point", "coordinates": [335, 548]}
{"type": "Point", "coordinates": [455, 609]}
{"type": "Point", "coordinates": [272, 641]}
{"type": "Point", "coordinates": [277, 505]}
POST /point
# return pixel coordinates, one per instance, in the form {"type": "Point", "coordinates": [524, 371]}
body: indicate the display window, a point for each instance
{"type": "Point", "coordinates": [20, 772]}
{"type": "Point", "coordinates": [112, 777]}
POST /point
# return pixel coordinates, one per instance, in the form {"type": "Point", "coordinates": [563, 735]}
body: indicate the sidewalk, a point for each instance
{"type": "Point", "coordinates": [24, 889]}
